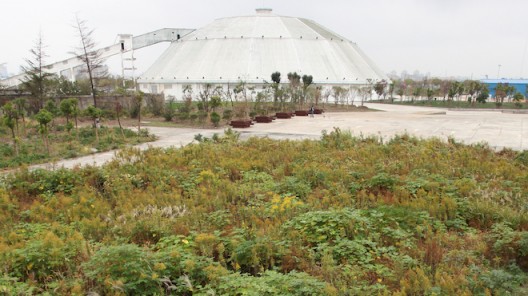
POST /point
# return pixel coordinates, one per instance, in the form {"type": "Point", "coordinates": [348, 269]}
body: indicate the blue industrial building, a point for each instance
{"type": "Point", "coordinates": [519, 84]}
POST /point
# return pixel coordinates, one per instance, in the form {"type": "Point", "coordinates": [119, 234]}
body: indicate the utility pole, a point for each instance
{"type": "Point", "coordinates": [498, 72]}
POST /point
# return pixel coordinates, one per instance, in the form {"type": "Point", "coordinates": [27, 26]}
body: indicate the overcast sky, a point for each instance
{"type": "Point", "coordinates": [444, 37]}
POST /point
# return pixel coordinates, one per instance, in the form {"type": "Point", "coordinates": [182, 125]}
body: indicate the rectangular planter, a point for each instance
{"type": "Point", "coordinates": [283, 115]}
{"type": "Point", "coordinates": [263, 119]}
{"type": "Point", "coordinates": [240, 123]}
{"type": "Point", "coordinates": [318, 111]}
{"type": "Point", "coordinates": [301, 113]}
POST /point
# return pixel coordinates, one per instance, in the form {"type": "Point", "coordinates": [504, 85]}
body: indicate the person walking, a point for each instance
{"type": "Point", "coordinates": [312, 111]}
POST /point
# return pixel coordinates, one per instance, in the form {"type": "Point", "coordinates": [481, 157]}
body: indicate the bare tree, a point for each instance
{"type": "Point", "coordinates": [317, 94]}
{"type": "Point", "coordinates": [326, 96]}
{"type": "Point", "coordinates": [90, 57]}
{"type": "Point", "coordinates": [353, 92]}
{"type": "Point", "coordinates": [337, 93]}
{"type": "Point", "coordinates": [295, 83]}
{"type": "Point", "coordinates": [445, 86]}
{"type": "Point", "coordinates": [401, 90]}
{"type": "Point", "coordinates": [37, 80]}
{"type": "Point", "coordinates": [204, 95]}
{"type": "Point", "coordinates": [364, 92]}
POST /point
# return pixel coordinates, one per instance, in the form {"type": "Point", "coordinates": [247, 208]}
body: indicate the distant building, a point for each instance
{"type": "Point", "coordinates": [519, 84]}
{"type": "Point", "coordinates": [3, 71]}
{"type": "Point", "coordinates": [250, 48]}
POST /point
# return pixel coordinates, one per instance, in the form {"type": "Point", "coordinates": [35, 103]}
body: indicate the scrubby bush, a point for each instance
{"type": "Point", "coordinates": [340, 216]}
{"type": "Point", "coordinates": [126, 268]}
{"type": "Point", "coordinates": [215, 119]}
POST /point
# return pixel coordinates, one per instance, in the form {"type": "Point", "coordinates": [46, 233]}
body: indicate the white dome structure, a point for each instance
{"type": "Point", "coordinates": [251, 48]}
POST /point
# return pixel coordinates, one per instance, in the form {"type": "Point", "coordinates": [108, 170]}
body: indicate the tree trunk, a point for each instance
{"type": "Point", "coordinates": [23, 125]}
{"type": "Point", "coordinates": [46, 143]}
{"type": "Point", "coordinates": [96, 131]}
{"type": "Point", "coordinates": [139, 120]}
{"type": "Point", "coordinates": [16, 125]}
{"type": "Point", "coordinates": [120, 126]}
{"type": "Point", "coordinates": [14, 141]}
{"type": "Point", "coordinates": [118, 112]}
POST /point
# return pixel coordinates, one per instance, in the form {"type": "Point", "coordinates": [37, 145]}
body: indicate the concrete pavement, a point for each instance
{"type": "Point", "coordinates": [499, 130]}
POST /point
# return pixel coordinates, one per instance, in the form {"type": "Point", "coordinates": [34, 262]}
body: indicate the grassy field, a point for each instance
{"type": "Point", "coordinates": [31, 144]}
{"type": "Point", "coordinates": [338, 216]}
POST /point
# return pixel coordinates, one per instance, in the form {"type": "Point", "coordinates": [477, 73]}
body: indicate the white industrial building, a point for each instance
{"type": "Point", "coordinates": [251, 48]}
{"type": "Point", "coordinates": [236, 49]}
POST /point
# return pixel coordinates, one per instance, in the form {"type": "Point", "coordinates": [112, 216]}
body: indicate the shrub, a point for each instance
{"type": "Point", "coordinates": [258, 255]}
{"type": "Point", "coordinates": [522, 158]}
{"type": "Point", "coordinates": [13, 286]}
{"type": "Point", "coordinates": [127, 268]}
{"type": "Point", "coordinates": [224, 216]}
{"type": "Point", "coordinates": [294, 186]}
{"type": "Point", "coordinates": [503, 281]}
{"type": "Point", "coordinates": [327, 226]}
{"type": "Point", "coordinates": [227, 114]}
{"type": "Point", "coordinates": [169, 112]}
{"type": "Point", "coordinates": [382, 181]}
{"type": "Point", "coordinates": [49, 254]}
{"type": "Point", "coordinates": [215, 119]}
{"type": "Point", "coordinates": [271, 283]}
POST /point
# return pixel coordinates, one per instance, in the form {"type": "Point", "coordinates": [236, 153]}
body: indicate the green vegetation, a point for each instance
{"type": "Point", "coordinates": [462, 104]}
{"type": "Point", "coordinates": [338, 216]}
{"type": "Point", "coordinates": [436, 92]}
{"type": "Point", "coordinates": [37, 142]}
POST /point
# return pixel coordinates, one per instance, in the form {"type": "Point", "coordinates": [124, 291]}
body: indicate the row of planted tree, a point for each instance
{"type": "Point", "coordinates": [62, 129]}
{"type": "Point", "coordinates": [244, 102]}
{"type": "Point", "coordinates": [472, 91]}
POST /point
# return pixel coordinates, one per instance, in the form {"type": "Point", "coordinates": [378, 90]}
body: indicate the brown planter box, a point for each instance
{"type": "Point", "coordinates": [318, 111]}
{"type": "Point", "coordinates": [301, 113]}
{"type": "Point", "coordinates": [263, 119]}
{"type": "Point", "coordinates": [240, 123]}
{"type": "Point", "coordinates": [283, 115]}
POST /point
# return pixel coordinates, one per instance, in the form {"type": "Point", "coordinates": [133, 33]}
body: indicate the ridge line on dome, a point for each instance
{"type": "Point", "coordinates": [316, 33]}
{"type": "Point", "coordinates": [310, 23]}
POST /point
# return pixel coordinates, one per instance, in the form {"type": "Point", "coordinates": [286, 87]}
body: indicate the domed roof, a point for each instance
{"type": "Point", "coordinates": [250, 48]}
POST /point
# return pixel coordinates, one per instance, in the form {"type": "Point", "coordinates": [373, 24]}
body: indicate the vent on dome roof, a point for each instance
{"type": "Point", "coordinates": [264, 10]}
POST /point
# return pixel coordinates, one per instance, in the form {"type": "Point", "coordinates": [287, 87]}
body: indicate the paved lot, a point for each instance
{"type": "Point", "coordinates": [497, 129]}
